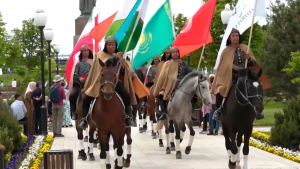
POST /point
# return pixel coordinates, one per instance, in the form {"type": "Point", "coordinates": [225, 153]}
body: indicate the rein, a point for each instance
{"type": "Point", "coordinates": [245, 96]}
{"type": "Point", "coordinates": [198, 87]}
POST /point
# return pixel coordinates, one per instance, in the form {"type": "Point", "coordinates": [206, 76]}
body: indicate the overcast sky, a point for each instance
{"type": "Point", "coordinates": [62, 14]}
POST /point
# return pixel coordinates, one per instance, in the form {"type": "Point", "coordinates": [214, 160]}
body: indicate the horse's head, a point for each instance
{"type": "Point", "coordinates": [202, 90]}
{"type": "Point", "coordinates": [108, 77]}
{"type": "Point", "coordinates": [249, 90]}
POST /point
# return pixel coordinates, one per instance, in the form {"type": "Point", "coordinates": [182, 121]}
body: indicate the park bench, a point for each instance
{"type": "Point", "coordinates": [2, 148]}
{"type": "Point", "coordinates": [58, 159]}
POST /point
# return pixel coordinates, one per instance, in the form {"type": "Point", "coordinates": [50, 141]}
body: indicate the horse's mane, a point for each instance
{"type": "Point", "coordinates": [111, 62]}
{"type": "Point", "coordinates": [189, 76]}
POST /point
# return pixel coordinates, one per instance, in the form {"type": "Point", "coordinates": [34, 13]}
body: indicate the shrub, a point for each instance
{"type": "Point", "coordinates": [286, 132]}
{"type": "Point", "coordinates": [7, 120]}
{"type": "Point", "coordinates": [6, 141]}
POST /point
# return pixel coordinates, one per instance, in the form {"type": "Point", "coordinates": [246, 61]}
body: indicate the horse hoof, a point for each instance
{"type": "Point", "coordinates": [152, 133]}
{"type": "Point", "coordinates": [141, 130]}
{"type": "Point", "coordinates": [91, 157]}
{"type": "Point", "coordinates": [108, 166]}
{"type": "Point", "coordinates": [126, 165]}
{"type": "Point", "coordinates": [181, 140]}
{"type": "Point", "coordinates": [168, 150]}
{"type": "Point", "coordinates": [231, 165]}
{"type": "Point", "coordinates": [79, 156]}
{"type": "Point", "coordinates": [178, 155]}
{"type": "Point", "coordinates": [86, 139]}
{"type": "Point", "coordinates": [154, 136]}
{"type": "Point", "coordinates": [188, 150]}
{"type": "Point", "coordinates": [161, 145]}
{"type": "Point", "coordinates": [95, 145]}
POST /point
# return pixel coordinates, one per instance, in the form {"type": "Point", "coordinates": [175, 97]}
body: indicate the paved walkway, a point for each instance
{"type": "Point", "coordinates": [208, 152]}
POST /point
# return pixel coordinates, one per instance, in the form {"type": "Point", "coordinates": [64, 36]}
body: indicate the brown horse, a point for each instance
{"type": "Point", "coordinates": [92, 129]}
{"type": "Point", "coordinates": [109, 116]}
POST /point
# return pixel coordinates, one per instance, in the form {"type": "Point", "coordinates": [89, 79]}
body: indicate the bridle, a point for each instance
{"type": "Point", "coordinates": [198, 87]}
{"type": "Point", "coordinates": [106, 82]}
{"type": "Point", "coordinates": [246, 97]}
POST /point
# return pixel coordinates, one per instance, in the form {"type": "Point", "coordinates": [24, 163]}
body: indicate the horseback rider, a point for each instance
{"type": "Point", "coordinates": [93, 82]}
{"type": "Point", "coordinates": [232, 59]}
{"type": "Point", "coordinates": [152, 72]}
{"type": "Point", "coordinates": [169, 78]}
{"type": "Point", "coordinates": [80, 75]}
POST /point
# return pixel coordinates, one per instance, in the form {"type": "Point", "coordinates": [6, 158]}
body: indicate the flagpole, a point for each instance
{"type": "Point", "coordinates": [201, 56]}
{"type": "Point", "coordinates": [250, 36]}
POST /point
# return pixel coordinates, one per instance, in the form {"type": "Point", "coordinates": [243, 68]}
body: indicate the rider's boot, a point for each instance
{"type": "Point", "coordinates": [218, 112]}
{"type": "Point", "coordinates": [85, 109]}
{"type": "Point", "coordinates": [128, 120]}
{"type": "Point", "coordinates": [163, 115]}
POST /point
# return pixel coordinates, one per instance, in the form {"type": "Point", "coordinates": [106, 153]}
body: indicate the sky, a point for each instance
{"type": "Point", "coordinates": [61, 14]}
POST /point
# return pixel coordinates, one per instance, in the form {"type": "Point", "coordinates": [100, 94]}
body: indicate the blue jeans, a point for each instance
{"type": "Point", "coordinates": [213, 124]}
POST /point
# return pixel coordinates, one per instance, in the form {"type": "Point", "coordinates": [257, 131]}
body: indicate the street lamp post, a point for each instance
{"type": "Point", "coordinates": [40, 20]}
{"type": "Point", "coordinates": [49, 36]}
{"type": "Point", "coordinates": [225, 16]}
{"type": "Point", "coordinates": [57, 49]}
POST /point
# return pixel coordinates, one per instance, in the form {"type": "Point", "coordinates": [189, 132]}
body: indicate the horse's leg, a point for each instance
{"type": "Point", "coordinates": [227, 140]}
{"type": "Point", "coordinates": [81, 153]}
{"type": "Point", "coordinates": [91, 144]}
{"type": "Point", "coordinates": [145, 119]}
{"type": "Point", "coordinates": [233, 148]}
{"type": "Point", "coordinates": [107, 160]}
{"type": "Point", "coordinates": [171, 128]}
{"type": "Point", "coordinates": [191, 139]}
{"type": "Point", "coordinates": [160, 140]}
{"type": "Point", "coordinates": [103, 143]}
{"type": "Point", "coordinates": [239, 140]}
{"type": "Point", "coordinates": [140, 119]}
{"type": "Point", "coordinates": [134, 113]}
{"type": "Point", "coordinates": [178, 127]}
{"type": "Point", "coordinates": [247, 135]}
{"type": "Point", "coordinates": [129, 142]}
{"type": "Point", "coordinates": [167, 131]}
{"type": "Point", "coordinates": [154, 135]}
{"type": "Point", "coordinates": [120, 143]}
{"type": "Point", "coordinates": [86, 135]}
{"type": "Point", "coordinates": [182, 132]}
{"type": "Point", "coordinates": [96, 141]}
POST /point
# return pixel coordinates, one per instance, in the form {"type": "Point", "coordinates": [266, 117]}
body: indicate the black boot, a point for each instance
{"type": "Point", "coordinates": [217, 115]}
{"type": "Point", "coordinates": [163, 109]}
{"type": "Point", "coordinates": [85, 109]}
{"type": "Point", "coordinates": [128, 120]}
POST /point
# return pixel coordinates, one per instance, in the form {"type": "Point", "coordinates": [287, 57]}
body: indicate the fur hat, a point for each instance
{"type": "Point", "coordinates": [84, 47]}
{"type": "Point", "coordinates": [110, 39]}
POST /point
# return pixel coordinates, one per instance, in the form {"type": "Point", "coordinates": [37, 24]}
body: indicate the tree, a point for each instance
{"type": "Point", "coordinates": [294, 66]}
{"type": "Point", "coordinates": [282, 37]}
{"type": "Point", "coordinates": [29, 40]}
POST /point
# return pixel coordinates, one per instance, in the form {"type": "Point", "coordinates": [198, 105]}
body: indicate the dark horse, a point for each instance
{"type": "Point", "coordinates": [109, 116]}
{"type": "Point", "coordinates": [92, 129]}
{"type": "Point", "coordinates": [244, 102]}
{"type": "Point", "coordinates": [141, 109]}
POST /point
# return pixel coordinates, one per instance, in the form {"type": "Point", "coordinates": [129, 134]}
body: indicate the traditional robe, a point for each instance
{"type": "Point", "coordinates": [92, 85]}
{"type": "Point", "coordinates": [223, 79]}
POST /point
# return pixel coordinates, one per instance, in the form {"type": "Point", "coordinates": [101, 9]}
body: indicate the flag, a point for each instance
{"type": "Point", "coordinates": [196, 31]}
{"type": "Point", "coordinates": [157, 35]}
{"type": "Point", "coordinates": [241, 20]}
{"type": "Point", "coordinates": [122, 19]}
{"type": "Point", "coordinates": [135, 27]}
{"type": "Point", "coordinates": [100, 30]}
{"type": "Point", "coordinates": [84, 39]}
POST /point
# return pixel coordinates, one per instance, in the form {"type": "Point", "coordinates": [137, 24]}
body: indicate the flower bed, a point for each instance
{"type": "Point", "coordinates": [15, 159]}
{"type": "Point", "coordinates": [47, 145]}
{"type": "Point", "coordinates": [261, 141]}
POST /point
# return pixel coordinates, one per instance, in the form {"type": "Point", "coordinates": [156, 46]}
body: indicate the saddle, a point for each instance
{"type": "Point", "coordinates": [94, 101]}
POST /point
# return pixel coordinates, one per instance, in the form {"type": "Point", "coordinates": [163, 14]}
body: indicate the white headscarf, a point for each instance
{"type": "Point", "coordinates": [31, 87]}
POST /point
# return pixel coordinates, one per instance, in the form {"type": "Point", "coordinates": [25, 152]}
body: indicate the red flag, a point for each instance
{"type": "Point", "coordinates": [99, 31]}
{"type": "Point", "coordinates": [196, 31]}
{"type": "Point", "coordinates": [87, 40]}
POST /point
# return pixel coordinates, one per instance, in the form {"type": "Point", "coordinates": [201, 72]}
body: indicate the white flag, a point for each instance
{"type": "Point", "coordinates": [241, 20]}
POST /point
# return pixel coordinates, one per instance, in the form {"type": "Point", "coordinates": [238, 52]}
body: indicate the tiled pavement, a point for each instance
{"type": "Point", "coordinates": [208, 152]}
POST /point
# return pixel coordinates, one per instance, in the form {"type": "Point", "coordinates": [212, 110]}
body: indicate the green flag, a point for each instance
{"type": "Point", "coordinates": [157, 35]}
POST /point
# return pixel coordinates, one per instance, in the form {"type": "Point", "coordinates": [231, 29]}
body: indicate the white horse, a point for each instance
{"type": "Point", "coordinates": [180, 108]}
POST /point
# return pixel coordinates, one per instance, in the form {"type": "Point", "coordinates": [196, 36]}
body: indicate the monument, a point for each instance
{"type": "Point", "coordinates": [86, 7]}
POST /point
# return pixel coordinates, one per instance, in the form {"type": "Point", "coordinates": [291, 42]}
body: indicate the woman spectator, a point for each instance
{"type": "Point", "coordinates": [29, 106]}
{"type": "Point", "coordinates": [213, 124]}
{"type": "Point", "coordinates": [67, 115]}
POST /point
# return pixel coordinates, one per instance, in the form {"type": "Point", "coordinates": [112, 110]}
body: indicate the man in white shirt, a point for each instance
{"type": "Point", "coordinates": [19, 110]}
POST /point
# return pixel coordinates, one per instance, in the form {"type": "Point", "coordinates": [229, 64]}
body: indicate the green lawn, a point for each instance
{"type": "Point", "coordinates": [269, 111]}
